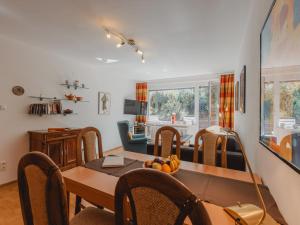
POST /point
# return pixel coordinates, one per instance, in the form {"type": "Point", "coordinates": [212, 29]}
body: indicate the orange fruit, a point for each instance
{"type": "Point", "coordinates": [166, 168]}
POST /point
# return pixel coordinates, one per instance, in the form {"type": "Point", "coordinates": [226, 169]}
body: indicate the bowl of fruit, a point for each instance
{"type": "Point", "coordinates": [169, 165]}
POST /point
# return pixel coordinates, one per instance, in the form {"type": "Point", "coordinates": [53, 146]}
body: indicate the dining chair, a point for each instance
{"type": "Point", "coordinates": [165, 135]}
{"type": "Point", "coordinates": [286, 147]}
{"type": "Point", "coordinates": [156, 198]}
{"type": "Point", "coordinates": [209, 145]}
{"type": "Point", "coordinates": [90, 139]}
{"type": "Point", "coordinates": [43, 195]}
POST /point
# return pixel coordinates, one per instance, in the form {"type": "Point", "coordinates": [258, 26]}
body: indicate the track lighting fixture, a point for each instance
{"type": "Point", "coordinates": [124, 40]}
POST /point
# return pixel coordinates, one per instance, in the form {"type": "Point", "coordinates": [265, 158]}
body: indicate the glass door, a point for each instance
{"type": "Point", "coordinates": [203, 107]}
{"type": "Point", "coordinates": [209, 104]}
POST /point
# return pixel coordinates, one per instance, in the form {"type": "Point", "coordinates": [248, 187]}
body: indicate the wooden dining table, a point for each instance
{"type": "Point", "coordinates": [98, 188]}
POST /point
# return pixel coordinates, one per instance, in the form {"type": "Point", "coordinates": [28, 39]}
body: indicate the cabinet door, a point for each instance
{"type": "Point", "coordinates": [70, 146]}
{"type": "Point", "coordinates": [55, 152]}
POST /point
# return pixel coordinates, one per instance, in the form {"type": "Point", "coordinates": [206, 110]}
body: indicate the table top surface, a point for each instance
{"type": "Point", "coordinates": [218, 130]}
{"type": "Point", "coordinates": [212, 170]}
{"type": "Point", "coordinates": [99, 187]}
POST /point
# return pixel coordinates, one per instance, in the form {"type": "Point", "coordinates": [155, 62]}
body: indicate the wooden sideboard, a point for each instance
{"type": "Point", "coordinates": [60, 146]}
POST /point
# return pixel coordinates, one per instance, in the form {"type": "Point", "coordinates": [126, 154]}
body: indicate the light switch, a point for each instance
{"type": "Point", "coordinates": [3, 107]}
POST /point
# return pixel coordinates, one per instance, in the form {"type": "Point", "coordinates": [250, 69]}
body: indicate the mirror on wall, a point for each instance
{"type": "Point", "coordinates": [280, 82]}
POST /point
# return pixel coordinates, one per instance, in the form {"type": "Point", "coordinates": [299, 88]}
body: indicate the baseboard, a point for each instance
{"type": "Point", "coordinates": [8, 183]}
{"type": "Point", "coordinates": [113, 150]}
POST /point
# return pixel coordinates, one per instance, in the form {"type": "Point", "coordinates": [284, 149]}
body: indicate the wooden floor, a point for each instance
{"type": "Point", "coordinates": [10, 211]}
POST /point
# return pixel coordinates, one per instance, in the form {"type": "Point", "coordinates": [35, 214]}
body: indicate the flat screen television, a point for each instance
{"type": "Point", "coordinates": [134, 107]}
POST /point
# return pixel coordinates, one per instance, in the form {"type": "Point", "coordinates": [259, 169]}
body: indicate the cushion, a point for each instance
{"type": "Point", "coordinates": [90, 139]}
{"type": "Point", "coordinates": [37, 185]}
{"type": "Point", "coordinates": [93, 216]}
{"type": "Point", "coordinates": [138, 140]}
{"type": "Point", "coordinates": [138, 136]}
{"type": "Point", "coordinates": [130, 135]}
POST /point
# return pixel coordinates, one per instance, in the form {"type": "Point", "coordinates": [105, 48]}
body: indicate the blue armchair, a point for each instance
{"type": "Point", "coordinates": [138, 142]}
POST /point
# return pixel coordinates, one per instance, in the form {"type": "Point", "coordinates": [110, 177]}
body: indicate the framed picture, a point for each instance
{"type": "Point", "coordinates": [280, 82]}
{"type": "Point", "coordinates": [242, 90]}
{"type": "Point", "coordinates": [104, 102]}
{"type": "Point", "coordinates": [236, 95]}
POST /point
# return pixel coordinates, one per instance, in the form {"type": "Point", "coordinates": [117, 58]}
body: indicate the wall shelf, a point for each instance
{"type": "Point", "coordinates": [75, 101]}
{"type": "Point", "coordinates": [53, 105]}
{"type": "Point", "coordinates": [53, 114]}
{"type": "Point", "coordinates": [55, 99]}
{"type": "Point", "coordinates": [44, 98]}
{"type": "Point", "coordinates": [69, 86]}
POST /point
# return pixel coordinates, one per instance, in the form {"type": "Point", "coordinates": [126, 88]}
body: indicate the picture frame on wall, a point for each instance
{"type": "Point", "coordinates": [104, 103]}
{"type": "Point", "coordinates": [280, 82]}
{"type": "Point", "coordinates": [236, 95]}
{"type": "Point", "coordinates": [242, 91]}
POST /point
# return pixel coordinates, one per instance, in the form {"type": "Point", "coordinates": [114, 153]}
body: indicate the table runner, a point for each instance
{"type": "Point", "coordinates": [220, 191]}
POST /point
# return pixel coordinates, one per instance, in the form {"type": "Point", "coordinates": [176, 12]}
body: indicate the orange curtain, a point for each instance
{"type": "Point", "coordinates": [141, 95]}
{"type": "Point", "coordinates": [226, 109]}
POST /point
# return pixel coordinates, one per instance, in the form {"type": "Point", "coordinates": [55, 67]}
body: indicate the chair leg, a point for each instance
{"type": "Point", "coordinates": [77, 204]}
{"type": "Point", "coordinates": [68, 201]}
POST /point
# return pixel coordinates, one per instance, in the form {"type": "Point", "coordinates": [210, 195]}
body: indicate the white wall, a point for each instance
{"type": "Point", "coordinates": [283, 181]}
{"type": "Point", "coordinates": [39, 71]}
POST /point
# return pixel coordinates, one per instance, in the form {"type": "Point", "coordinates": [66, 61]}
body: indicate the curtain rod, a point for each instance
{"type": "Point", "coordinates": [225, 73]}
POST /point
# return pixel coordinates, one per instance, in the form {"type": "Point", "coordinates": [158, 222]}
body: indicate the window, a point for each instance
{"type": "Point", "coordinates": [214, 100]}
{"type": "Point", "coordinates": [162, 103]}
{"type": "Point", "coordinates": [203, 106]}
{"type": "Point", "coordinates": [289, 104]}
{"type": "Point", "coordinates": [268, 107]}
{"type": "Point", "coordinates": [280, 116]}
{"type": "Point", "coordinates": [209, 104]}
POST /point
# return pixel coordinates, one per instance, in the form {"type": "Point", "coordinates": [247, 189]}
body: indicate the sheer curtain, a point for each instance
{"type": "Point", "coordinates": [141, 95]}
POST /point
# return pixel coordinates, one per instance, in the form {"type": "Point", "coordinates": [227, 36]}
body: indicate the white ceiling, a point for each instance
{"type": "Point", "coordinates": [179, 37]}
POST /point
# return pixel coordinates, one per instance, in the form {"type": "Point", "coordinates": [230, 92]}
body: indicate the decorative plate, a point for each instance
{"type": "Point", "coordinates": [18, 90]}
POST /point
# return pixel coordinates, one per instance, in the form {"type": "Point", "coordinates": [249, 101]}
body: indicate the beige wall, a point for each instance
{"type": "Point", "coordinates": [40, 71]}
{"type": "Point", "coordinates": [283, 181]}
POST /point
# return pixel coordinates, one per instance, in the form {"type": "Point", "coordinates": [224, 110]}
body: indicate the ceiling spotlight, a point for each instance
{"type": "Point", "coordinates": [108, 35]}
{"type": "Point", "coordinates": [138, 51]}
{"type": "Point", "coordinates": [107, 61]}
{"type": "Point", "coordinates": [119, 45]}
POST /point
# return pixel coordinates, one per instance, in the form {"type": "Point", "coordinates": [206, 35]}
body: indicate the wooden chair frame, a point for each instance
{"type": "Point", "coordinates": [223, 139]}
{"type": "Point", "coordinates": [56, 199]}
{"type": "Point", "coordinates": [174, 190]}
{"type": "Point", "coordinates": [79, 140]}
{"type": "Point", "coordinates": [175, 134]}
